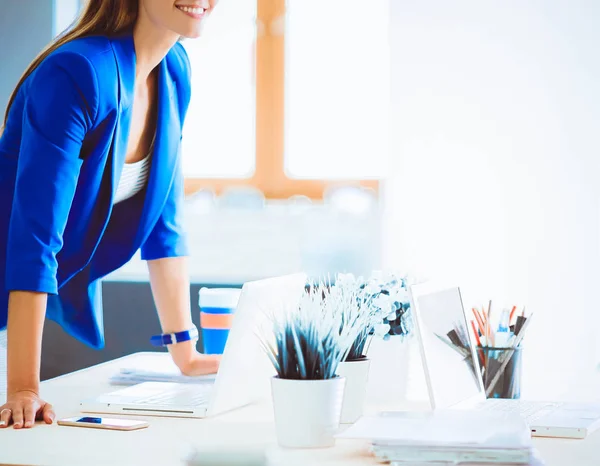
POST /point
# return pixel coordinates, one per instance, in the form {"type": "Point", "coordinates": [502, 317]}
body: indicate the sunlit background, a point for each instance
{"type": "Point", "coordinates": [451, 140]}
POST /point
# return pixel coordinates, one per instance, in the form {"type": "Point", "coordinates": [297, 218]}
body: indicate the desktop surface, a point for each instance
{"type": "Point", "coordinates": [168, 441]}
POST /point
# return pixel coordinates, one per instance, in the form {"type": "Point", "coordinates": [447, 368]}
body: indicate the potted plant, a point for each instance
{"type": "Point", "coordinates": [307, 344]}
{"type": "Point", "coordinates": [380, 308]}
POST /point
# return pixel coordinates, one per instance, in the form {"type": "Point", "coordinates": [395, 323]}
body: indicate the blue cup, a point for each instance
{"type": "Point", "coordinates": [217, 310]}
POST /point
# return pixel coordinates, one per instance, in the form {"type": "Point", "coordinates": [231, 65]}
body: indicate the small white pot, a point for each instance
{"type": "Point", "coordinates": [356, 374]}
{"type": "Point", "coordinates": [307, 412]}
{"type": "Point", "coordinates": [389, 372]}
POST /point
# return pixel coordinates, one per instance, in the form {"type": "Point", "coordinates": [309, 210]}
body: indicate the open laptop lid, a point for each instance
{"type": "Point", "coordinates": [245, 370]}
{"type": "Point", "coordinates": [447, 351]}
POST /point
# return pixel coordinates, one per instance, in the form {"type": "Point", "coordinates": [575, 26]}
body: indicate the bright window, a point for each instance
{"type": "Point", "coordinates": [219, 136]}
{"type": "Point", "coordinates": [292, 106]}
{"type": "Point", "coordinates": [337, 89]}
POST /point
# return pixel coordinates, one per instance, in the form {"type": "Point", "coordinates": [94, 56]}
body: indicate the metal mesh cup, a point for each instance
{"type": "Point", "coordinates": [502, 368]}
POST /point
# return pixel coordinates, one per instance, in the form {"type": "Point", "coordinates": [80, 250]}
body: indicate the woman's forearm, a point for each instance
{"type": "Point", "coordinates": [26, 313]}
{"type": "Point", "coordinates": [170, 283]}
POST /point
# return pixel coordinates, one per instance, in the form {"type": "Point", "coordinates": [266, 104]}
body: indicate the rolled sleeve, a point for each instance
{"type": "Point", "coordinates": [60, 107]}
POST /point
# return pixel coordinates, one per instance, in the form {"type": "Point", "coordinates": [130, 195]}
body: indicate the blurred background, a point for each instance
{"type": "Point", "coordinates": [445, 140]}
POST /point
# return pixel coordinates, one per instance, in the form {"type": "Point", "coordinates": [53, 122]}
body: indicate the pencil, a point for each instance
{"type": "Point", "coordinates": [489, 321]}
{"type": "Point", "coordinates": [479, 320]}
{"type": "Point", "coordinates": [477, 340]}
{"type": "Point", "coordinates": [512, 314]}
{"type": "Point", "coordinates": [505, 357]}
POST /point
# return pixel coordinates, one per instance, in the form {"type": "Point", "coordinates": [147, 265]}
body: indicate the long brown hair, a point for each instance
{"type": "Point", "coordinates": [100, 17]}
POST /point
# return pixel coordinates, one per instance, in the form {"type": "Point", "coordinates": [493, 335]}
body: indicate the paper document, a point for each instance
{"type": "Point", "coordinates": [535, 460]}
{"type": "Point", "coordinates": [155, 367]}
{"type": "Point", "coordinates": [455, 455]}
{"type": "Point", "coordinates": [444, 428]}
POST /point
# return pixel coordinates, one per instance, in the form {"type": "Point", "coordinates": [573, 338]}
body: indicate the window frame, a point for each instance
{"type": "Point", "coordinates": [269, 175]}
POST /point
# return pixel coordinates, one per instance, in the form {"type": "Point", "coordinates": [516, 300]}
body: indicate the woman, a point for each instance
{"type": "Point", "coordinates": [90, 172]}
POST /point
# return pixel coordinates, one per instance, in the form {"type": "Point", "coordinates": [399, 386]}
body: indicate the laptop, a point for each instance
{"type": "Point", "coordinates": [244, 373]}
{"type": "Point", "coordinates": [454, 380]}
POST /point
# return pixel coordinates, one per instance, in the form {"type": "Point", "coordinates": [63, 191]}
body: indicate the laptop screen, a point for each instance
{"type": "Point", "coordinates": [449, 361]}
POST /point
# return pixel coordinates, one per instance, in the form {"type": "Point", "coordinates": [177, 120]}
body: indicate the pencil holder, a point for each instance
{"type": "Point", "coordinates": [501, 371]}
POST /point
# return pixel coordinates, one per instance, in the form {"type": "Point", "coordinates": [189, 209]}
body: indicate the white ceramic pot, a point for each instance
{"type": "Point", "coordinates": [356, 374]}
{"type": "Point", "coordinates": [307, 412]}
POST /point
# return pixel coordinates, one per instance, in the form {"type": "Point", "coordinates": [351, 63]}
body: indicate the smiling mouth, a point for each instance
{"type": "Point", "coordinates": [193, 11]}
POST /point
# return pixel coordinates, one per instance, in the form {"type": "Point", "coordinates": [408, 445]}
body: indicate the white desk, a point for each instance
{"type": "Point", "coordinates": [167, 441]}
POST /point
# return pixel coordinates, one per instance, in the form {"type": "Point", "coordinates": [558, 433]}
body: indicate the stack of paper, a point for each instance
{"type": "Point", "coordinates": [451, 437]}
{"type": "Point", "coordinates": [155, 367]}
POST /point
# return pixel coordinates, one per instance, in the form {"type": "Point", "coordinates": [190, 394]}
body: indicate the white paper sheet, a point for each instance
{"type": "Point", "coordinates": [155, 367]}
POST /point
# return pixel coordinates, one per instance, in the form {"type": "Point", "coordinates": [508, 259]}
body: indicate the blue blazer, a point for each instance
{"type": "Point", "coordinates": [61, 156]}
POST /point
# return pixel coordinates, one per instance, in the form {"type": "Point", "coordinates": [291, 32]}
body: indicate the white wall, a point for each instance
{"type": "Point", "coordinates": [24, 32]}
{"type": "Point", "coordinates": [496, 116]}
{"type": "Point", "coordinates": [65, 12]}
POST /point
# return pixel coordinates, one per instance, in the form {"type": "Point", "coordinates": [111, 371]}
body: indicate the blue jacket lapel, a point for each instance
{"type": "Point", "coordinates": [164, 156]}
{"type": "Point", "coordinates": [168, 134]}
{"type": "Point", "coordinates": [124, 49]}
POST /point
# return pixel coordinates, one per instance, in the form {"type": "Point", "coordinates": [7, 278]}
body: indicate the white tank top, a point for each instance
{"type": "Point", "coordinates": [133, 178]}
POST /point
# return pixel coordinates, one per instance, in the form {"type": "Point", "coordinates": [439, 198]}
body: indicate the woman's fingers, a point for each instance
{"type": "Point", "coordinates": [5, 415]}
{"type": "Point", "coordinates": [17, 416]}
{"type": "Point", "coordinates": [23, 409]}
{"type": "Point", "coordinates": [29, 415]}
{"type": "Point", "coordinates": [48, 413]}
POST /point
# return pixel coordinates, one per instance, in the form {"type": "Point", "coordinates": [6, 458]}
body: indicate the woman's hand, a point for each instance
{"type": "Point", "coordinates": [170, 282]}
{"type": "Point", "coordinates": [196, 363]}
{"type": "Point", "coordinates": [23, 408]}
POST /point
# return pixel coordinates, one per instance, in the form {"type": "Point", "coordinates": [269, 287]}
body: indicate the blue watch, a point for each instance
{"type": "Point", "coordinates": [167, 339]}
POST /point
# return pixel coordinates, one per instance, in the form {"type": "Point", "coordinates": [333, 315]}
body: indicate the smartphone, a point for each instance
{"type": "Point", "coordinates": [103, 423]}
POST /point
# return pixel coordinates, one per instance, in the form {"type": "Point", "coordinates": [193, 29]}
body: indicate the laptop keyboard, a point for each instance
{"type": "Point", "coordinates": [199, 396]}
{"type": "Point", "coordinates": [529, 410]}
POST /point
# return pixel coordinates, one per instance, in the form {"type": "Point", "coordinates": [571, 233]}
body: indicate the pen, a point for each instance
{"type": "Point", "coordinates": [519, 325]}
{"type": "Point", "coordinates": [507, 356]}
{"type": "Point", "coordinates": [502, 333]}
{"type": "Point", "coordinates": [520, 322]}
